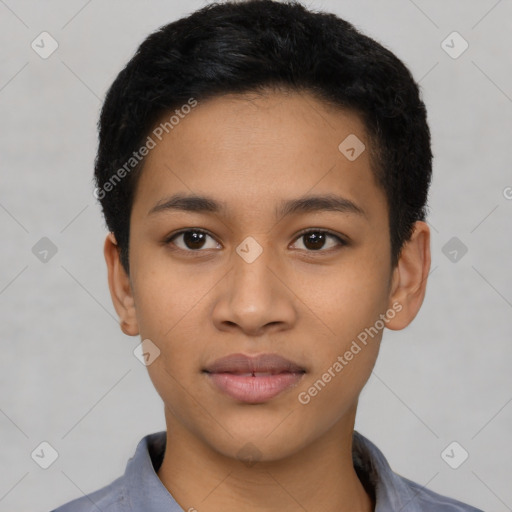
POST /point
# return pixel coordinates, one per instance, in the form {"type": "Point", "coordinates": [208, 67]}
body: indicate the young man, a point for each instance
{"type": "Point", "coordinates": [263, 171]}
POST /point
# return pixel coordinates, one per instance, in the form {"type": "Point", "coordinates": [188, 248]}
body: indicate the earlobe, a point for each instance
{"type": "Point", "coordinates": [409, 280]}
{"type": "Point", "coordinates": [120, 288]}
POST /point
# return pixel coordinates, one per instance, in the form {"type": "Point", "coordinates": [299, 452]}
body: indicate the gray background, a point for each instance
{"type": "Point", "coordinates": [67, 373]}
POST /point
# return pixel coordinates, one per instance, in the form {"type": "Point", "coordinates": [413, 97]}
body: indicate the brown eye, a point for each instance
{"type": "Point", "coordinates": [192, 240]}
{"type": "Point", "coordinates": [314, 240]}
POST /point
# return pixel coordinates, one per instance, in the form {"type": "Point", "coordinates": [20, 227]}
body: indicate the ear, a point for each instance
{"type": "Point", "coordinates": [409, 281]}
{"type": "Point", "coordinates": [120, 287]}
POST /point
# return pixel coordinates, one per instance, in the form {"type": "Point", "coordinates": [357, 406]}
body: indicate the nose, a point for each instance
{"type": "Point", "coordinates": [255, 296]}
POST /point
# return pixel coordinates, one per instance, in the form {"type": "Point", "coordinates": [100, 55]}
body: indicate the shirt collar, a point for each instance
{"type": "Point", "coordinates": [145, 491]}
{"type": "Point", "coordinates": [391, 490]}
{"type": "Point", "coordinates": [142, 487]}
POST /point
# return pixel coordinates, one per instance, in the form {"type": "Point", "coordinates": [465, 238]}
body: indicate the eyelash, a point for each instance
{"type": "Point", "coordinates": [307, 231]}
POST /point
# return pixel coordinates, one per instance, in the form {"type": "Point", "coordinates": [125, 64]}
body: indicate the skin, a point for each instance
{"type": "Point", "coordinates": [198, 303]}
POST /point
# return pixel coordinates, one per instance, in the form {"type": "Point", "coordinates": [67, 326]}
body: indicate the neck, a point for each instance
{"type": "Point", "coordinates": [320, 477]}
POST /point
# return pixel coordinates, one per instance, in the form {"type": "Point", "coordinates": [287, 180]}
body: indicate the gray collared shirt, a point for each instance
{"type": "Point", "coordinates": [140, 489]}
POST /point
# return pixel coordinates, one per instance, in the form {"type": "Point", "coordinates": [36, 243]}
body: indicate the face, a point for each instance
{"type": "Point", "coordinates": [256, 271]}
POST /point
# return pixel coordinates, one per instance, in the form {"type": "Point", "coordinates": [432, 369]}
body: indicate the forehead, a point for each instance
{"type": "Point", "coordinates": [260, 149]}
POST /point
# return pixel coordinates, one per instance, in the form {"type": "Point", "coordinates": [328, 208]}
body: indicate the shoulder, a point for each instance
{"type": "Point", "coordinates": [392, 490]}
{"type": "Point", "coordinates": [111, 498]}
{"type": "Point", "coordinates": [131, 490]}
{"type": "Point", "coordinates": [425, 500]}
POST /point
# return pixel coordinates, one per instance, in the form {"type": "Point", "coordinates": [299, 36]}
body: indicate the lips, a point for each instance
{"type": "Point", "coordinates": [253, 379]}
{"type": "Point", "coordinates": [270, 364]}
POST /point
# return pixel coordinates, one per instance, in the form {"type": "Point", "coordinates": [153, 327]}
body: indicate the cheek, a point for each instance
{"type": "Point", "coordinates": [348, 296]}
{"type": "Point", "coordinates": [333, 392]}
{"type": "Point", "coordinates": [350, 305]}
{"type": "Point", "coordinates": [170, 309]}
{"type": "Point", "coordinates": [164, 295]}
{"type": "Point", "coordinates": [350, 302]}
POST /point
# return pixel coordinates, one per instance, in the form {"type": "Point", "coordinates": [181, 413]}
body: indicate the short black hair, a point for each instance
{"type": "Point", "coordinates": [251, 46]}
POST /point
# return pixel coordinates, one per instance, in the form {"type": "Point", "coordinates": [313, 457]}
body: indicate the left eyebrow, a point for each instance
{"type": "Point", "coordinates": [330, 203]}
{"type": "Point", "coordinates": [318, 203]}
